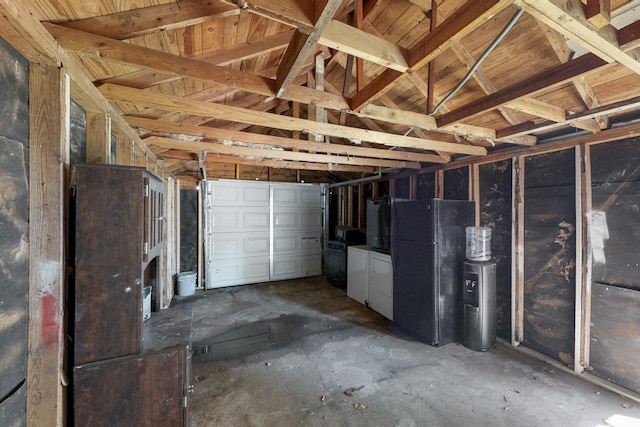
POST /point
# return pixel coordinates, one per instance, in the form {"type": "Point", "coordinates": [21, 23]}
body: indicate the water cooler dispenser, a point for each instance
{"type": "Point", "coordinates": [479, 297]}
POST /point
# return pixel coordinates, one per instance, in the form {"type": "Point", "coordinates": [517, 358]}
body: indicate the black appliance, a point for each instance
{"type": "Point", "coordinates": [479, 279]}
{"type": "Point", "coordinates": [428, 250]}
{"type": "Point", "coordinates": [336, 254]}
{"type": "Point", "coordinates": [378, 223]}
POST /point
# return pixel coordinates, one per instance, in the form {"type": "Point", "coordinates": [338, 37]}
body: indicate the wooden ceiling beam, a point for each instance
{"type": "Point", "coordinates": [20, 29]}
{"type": "Point", "coordinates": [549, 79]}
{"type": "Point", "coordinates": [303, 43]}
{"type": "Point", "coordinates": [629, 36]}
{"type": "Point", "coordinates": [213, 148]}
{"type": "Point", "coordinates": [598, 13]}
{"type": "Point", "coordinates": [361, 44]}
{"type": "Point", "coordinates": [590, 99]}
{"type": "Point", "coordinates": [172, 103]}
{"type": "Point", "coordinates": [538, 108]}
{"type": "Point", "coordinates": [146, 78]}
{"type": "Point", "coordinates": [103, 48]}
{"type": "Point", "coordinates": [280, 164]}
{"type": "Point", "coordinates": [568, 18]}
{"type": "Point", "coordinates": [529, 127]}
{"type": "Point", "coordinates": [466, 19]}
{"type": "Point", "coordinates": [296, 13]}
{"type": "Point", "coordinates": [254, 138]}
{"type": "Point", "coordinates": [147, 20]}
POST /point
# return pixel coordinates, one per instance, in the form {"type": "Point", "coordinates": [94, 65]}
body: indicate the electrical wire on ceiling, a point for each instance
{"type": "Point", "coordinates": [482, 57]}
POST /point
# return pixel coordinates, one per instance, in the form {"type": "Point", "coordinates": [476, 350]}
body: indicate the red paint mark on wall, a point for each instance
{"type": "Point", "coordinates": [49, 320]}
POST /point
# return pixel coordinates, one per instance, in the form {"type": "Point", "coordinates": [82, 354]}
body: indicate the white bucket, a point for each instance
{"type": "Point", "coordinates": [478, 243]}
{"type": "Point", "coordinates": [186, 283]}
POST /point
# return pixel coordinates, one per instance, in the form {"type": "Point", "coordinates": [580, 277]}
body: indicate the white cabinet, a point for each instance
{"type": "Point", "coordinates": [381, 284]}
{"type": "Point", "coordinates": [358, 273]}
{"type": "Point", "coordinates": [370, 279]}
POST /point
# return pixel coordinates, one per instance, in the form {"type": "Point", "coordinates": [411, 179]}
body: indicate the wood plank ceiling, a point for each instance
{"type": "Point", "coordinates": [342, 88]}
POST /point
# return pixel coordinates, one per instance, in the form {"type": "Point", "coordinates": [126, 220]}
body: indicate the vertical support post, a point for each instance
{"type": "Point", "coordinates": [474, 189]}
{"type": "Point", "coordinates": [124, 151]}
{"type": "Point", "coordinates": [48, 172]}
{"type": "Point", "coordinates": [517, 272]}
{"type": "Point", "coordinates": [586, 269]}
{"type": "Point", "coordinates": [177, 225]}
{"type": "Point", "coordinates": [98, 138]}
{"type": "Point", "coordinates": [202, 195]}
{"type": "Point", "coordinates": [577, 367]}
{"type": "Point", "coordinates": [361, 206]}
{"type": "Point", "coordinates": [439, 184]}
{"type": "Point", "coordinates": [341, 202]}
{"type": "Point", "coordinates": [350, 206]}
{"type": "Point", "coordinates": [413, 187]}
{"type": "Point", "coordinates": [359, 19]}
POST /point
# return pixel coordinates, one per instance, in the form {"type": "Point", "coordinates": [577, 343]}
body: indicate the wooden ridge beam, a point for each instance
{"type": "Point", "coordinates": [254, 138]}
{"type": "Point", "coordinates": [147, 20]}
{"type": "Point", "coordinates": [213, 148]}
{"type": "Point", "coordinates": [173, 103]}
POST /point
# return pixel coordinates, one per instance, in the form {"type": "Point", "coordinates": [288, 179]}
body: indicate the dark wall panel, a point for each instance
{"type": "Point", "coordinates": [14, 234]}
{"type": "Point", "coordinates": [78, 135]}
{"type": "Point", "coordinates": [496, 213]}
{"type": "Point", "coordinates": [549, 253]}
{"type": "Point", "coordinates": [456, 184]}
{"type": "Point", "coordinates": [615, 186]}
{"type": "Point", "coordinates": [615, 334]}
{"type": "Point", "coordinates": [403, 188]}
{"type": "Point", "coordinates": [14, 87]}
{"type": "Point", "coordinates": [426, 186]}
{"type": "Point", "coordinates": [188, 230]}
{"type": "Point", "coordinates": [615, 235]}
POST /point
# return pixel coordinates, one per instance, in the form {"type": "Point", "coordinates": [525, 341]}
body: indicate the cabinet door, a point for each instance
{"type": "Point", "coordinates": [153, 215]}
{"type": "Point", "coordinates": [108, 262]}
{"type": "Point", "coordinates": [145, 390]}
{"type": "Point", "coordinates": [381, 284]}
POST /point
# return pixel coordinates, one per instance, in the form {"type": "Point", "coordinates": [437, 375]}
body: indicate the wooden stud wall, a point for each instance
{"type": "Point", "coordinates": [48, 177]}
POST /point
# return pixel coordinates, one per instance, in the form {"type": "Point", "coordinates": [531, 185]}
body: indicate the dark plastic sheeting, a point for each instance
{"type": "Point", "coordinates": [616, 218]}
{"type": "Point", "coordinates": [188, 230]}
{"type": "Point", "coordinates": [549, 254]}
{"type": "Point", "coordinates": [615, 334]}
{"type": "Point", "coordinates": [456, 184]}
{"type": "Point", "coordinates": [495, 212]}
{"type": "Point", "coordinates": [14, 276]}
{"type": "Point", "coordinates": [426, 186]}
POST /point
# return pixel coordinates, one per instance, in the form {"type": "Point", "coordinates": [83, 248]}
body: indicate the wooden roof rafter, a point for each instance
{"type": "Point", "coordinates": [568, 17]}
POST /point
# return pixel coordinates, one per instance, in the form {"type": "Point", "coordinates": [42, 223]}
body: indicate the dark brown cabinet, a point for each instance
{"type": "Point", "coordinates": [126, 372]}
{"type": "Point", "coordinates": [146, 389]}
{"type": "Point", "coordinates": [118, 252]}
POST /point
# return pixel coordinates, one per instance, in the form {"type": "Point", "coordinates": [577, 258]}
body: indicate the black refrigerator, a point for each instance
{"type": "Point", "coordinates": [428, 249]}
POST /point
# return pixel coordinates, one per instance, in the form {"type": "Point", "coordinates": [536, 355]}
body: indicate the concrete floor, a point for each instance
{"type": "Point", "coordinates": [301, 352]}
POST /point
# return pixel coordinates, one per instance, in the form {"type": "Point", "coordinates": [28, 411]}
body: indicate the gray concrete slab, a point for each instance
{"type": "Point", "coordinates": [301, 352]}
